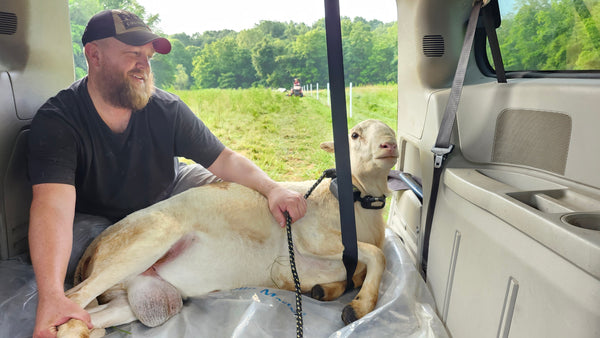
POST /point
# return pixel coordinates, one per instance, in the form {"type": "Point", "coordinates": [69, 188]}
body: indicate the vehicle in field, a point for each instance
{"type": "Point", "coordinates": [511, 247]}
{"type": "Point", "coordinates": [296, 89]}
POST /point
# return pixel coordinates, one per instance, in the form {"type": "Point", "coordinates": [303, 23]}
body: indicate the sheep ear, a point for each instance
{"type": "Point", "coordinates": [327, 146]}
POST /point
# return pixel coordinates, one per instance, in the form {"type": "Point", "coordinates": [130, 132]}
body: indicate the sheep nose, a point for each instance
{"type": "Point", "coordinates": [388, 145]}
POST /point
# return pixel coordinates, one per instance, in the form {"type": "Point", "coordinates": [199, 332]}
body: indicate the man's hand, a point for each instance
{"type": "Point", "coordinates": [56, 310]}
{"type": "Point", "coordinates": [281, 200]}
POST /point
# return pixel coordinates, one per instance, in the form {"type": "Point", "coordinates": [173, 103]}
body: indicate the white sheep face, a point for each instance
{"type": "Point", "coordinates": [372, 146]}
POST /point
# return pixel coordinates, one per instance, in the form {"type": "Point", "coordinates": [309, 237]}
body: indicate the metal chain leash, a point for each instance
{"type": "Point", "coordinates": [288, 227]}
{"type": "Point", "coordinates": [299, 320]}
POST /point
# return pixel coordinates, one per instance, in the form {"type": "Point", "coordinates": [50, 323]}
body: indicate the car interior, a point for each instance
{"type": "Point", "coordinates": [513, 247]}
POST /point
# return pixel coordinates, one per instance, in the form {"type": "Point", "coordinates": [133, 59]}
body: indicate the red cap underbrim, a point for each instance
{"type": "Point", "coordinates": [139, 38]}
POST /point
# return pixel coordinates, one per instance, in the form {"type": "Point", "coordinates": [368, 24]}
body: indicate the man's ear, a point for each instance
{"type": "Point", "coordinates": [92, 53]}
{"type": "Point", "coordinates": [327, 146]}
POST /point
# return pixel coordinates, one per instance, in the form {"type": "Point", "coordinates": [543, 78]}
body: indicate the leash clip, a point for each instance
{"type": "Point", "coordinates": [369, 202]}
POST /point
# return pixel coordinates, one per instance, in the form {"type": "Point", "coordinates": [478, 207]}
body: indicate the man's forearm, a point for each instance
{"type": "Point", "coordinates": [233, 167]}
{"type": "Point", "coordinates": [50, 250]}
{"type": "Point", "coordinates": [50, 238]}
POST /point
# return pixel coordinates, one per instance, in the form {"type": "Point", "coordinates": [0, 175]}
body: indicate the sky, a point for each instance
{"type": "Point", "coordinates": [198, 16]}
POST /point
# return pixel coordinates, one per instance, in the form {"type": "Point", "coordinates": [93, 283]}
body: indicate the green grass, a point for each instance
{"type": "Point", "coordinates": [379, 102]}
{"type": "Point", "coordinates": [282, 134]}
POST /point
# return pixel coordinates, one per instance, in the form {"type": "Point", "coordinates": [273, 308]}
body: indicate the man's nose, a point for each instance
{"type": "Point", "coordinates": [143, 62]}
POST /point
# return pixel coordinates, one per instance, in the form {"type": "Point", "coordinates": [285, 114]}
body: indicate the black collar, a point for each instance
{"type": "Point", "coordinates": [367, 202]}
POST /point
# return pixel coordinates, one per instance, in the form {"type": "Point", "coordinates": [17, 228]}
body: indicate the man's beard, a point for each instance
{"type": "Point", "coordinates": [122, 92]}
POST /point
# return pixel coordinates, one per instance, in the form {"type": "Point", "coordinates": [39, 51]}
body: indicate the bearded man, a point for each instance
{"type": "Point", "coordinates": [108, 146]}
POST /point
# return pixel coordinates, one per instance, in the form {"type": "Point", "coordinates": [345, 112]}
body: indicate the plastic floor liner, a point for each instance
{"type": "Point", "coordinates": [405, 308]}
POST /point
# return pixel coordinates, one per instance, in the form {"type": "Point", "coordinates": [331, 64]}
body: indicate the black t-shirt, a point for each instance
{"type": "Point", "coordinates": [115, 174]}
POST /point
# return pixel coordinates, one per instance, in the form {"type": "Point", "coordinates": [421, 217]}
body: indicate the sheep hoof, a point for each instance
{"type": "Point", "coordinates": [317, 292]}
{"type": "Point", "coordinates": [349, 315]}
{"type": "Point", "coordinates": [73, 328]}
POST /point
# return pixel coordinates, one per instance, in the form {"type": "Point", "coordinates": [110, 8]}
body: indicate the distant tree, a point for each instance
{"type": "Point", "coordinates": [310, 49]}
{"type": "Point", "coordinates": [358, 49]}
{"type": "Point", "coordinates": [286, 68]}
{"type": "Point", "coordinates": [81, 11]}
{"type": "Point", "coordinates": [263, 58]}
{"type": "Point", "coordinates": [374, 24]}
{"type": "Point", "coordinates": [185, 39]}
{"type": "Point", "coordinates": [269, 54]}
{"type": "Point", "coordinates": [164, 70]}
{"type": "Point", "coordinates": [248, 38]}
{"type": "Point", "coordinates": [182, 79]}
{"type": "Point", "coordinates": [272, 28]}
{"type": "Point", "coordinates": [206, 72]}
{"type": "Point", "coordinates": [537, 36]}
{"type": "Point", "coordinates": [134, 7]}
{"type": "Point", "coordinates": [209, 37]}
{"type": "Point", "coordinates": [179, 55]}
{"type": "Point", "coordinates": [224, 64]}
{"type": "Point", "coordinates": [228, 80]}
{"type": "Point", "coordinates": [587, 34]}
{"type": "Point", "coordinates": [293, 29]}
{"type": "Point", "coordinates": [382, 64]}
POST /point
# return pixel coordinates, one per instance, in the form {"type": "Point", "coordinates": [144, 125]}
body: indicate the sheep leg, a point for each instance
{"type": "Point", "coordinates": [113, 311]}
{"type": "Point", "coordinates": [366, 299]}
{"type": "Point", "coordinates": [330, 268]}
{"type": "Point", "coordinates": [74, 328]}
{"type": "Point", "coordinates": [123, 251]}
{"type": "Point", "coordinates": [334, 290]}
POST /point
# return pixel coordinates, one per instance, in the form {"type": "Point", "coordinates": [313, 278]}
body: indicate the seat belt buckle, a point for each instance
{"type": "Point", "coordinates": [440, 155]}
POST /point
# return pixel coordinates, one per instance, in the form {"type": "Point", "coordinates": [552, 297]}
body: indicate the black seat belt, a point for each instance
{"type": "Point", "coordinates": [443, 147]}
{"type": "Point", "coordinates": [333, 33]}
{"type": "Point", "coordinates": [490, 25]}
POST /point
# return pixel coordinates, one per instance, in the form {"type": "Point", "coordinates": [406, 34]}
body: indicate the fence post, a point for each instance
{"type": "Point", "coordinates": [350, 99]}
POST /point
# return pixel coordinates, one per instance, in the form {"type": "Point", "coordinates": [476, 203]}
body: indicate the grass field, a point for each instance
{"type": "Point", "coordinates": [282, 134]}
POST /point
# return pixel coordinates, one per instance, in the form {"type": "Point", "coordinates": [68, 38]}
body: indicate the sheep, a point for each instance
{"type": "Point", "coordinates": [223, 236]}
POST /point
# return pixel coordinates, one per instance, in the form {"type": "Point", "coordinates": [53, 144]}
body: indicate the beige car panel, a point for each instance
{"type": "Point", "coordinates": [515, 242]}
{"type": "Point", "coordinates": [35, 63]}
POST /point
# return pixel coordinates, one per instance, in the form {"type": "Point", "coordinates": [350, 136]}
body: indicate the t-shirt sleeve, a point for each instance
{"type": "Point", "coordinates": [194, 140]}
{"type": "Point", "coordinates": [52, 155]}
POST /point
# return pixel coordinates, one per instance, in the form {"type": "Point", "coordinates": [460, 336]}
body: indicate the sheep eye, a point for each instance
{"type": "Point", "coordinates": [355, 135]}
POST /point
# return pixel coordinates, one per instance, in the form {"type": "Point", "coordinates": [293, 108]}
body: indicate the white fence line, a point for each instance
{"type": "Point", "coordinates": [309, 88]}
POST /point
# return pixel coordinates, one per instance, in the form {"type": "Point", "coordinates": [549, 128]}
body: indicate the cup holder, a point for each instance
{"type": "Point", "coordinates": [590, 221]}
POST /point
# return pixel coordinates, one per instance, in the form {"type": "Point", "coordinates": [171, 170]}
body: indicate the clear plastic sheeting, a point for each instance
{"type": "Point", "coordinates": [405, 308]}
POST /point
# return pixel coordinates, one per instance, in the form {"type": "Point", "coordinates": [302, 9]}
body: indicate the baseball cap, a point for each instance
{"type": "Point", "coordinates": [125, 27]}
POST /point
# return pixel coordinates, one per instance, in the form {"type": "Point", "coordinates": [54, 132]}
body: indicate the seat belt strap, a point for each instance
{"type": "Point", "coordinates": [333, 33]}
{"type": "Point", "coordinates": [490, 31]}
{"type": "Point", "coordinates": [442, 144]}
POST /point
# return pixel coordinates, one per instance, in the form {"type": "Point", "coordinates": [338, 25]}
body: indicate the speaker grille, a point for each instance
{"type": "Point", "coordinates": [8, 23]}
{"type": "Point", "coordinates": [533, 138]}
{"type": "Point", "coordinates": [433, 45]}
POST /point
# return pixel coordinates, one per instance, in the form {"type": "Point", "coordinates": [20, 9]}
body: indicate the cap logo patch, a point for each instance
{"type": "Point", "coordinates": [125, 21]}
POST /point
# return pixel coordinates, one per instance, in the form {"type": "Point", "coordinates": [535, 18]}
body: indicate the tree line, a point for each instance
{"type": "Point", "coordinates": [551, 35]}
{"type": "Point", "coordinates": [538, 35]}
{"type": "Point", "coordinates": [269, 55]}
